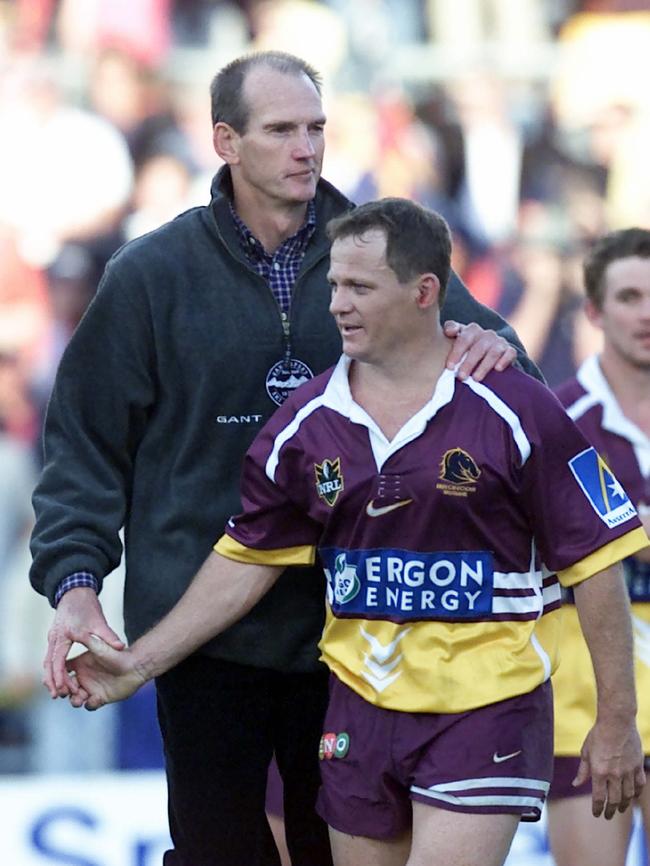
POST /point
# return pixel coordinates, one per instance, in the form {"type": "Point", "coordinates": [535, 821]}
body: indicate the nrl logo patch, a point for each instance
{"type": "Point", "coordinates": [329, 480]}
{"type": "Point", "coordinates": [458, 473]}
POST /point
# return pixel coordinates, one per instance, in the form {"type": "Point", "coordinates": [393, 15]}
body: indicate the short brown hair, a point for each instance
{"type": "Point", "coordinates": [226, 91]}
{"type": "Point", "coordinates": [623, 244]}
{"type": "Point", "coordinates": [418, 240]}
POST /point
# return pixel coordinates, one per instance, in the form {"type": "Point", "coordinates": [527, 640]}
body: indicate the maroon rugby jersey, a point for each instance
{"type": "Point", "coordinates": [440, 547]}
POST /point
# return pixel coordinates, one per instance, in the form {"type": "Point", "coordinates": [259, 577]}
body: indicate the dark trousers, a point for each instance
{"type": "Point", "coordinates": [220, 724]}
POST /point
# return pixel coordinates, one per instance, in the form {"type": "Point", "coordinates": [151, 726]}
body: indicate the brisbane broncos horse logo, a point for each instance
{"type": "Point", "coordinates": [458, 467]}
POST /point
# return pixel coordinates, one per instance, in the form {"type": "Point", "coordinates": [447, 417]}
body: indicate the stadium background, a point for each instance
{"type": "Point", "coordinates": [525, 122]}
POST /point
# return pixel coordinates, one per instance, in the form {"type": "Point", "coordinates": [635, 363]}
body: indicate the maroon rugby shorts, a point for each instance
{"type": "Point", "coordinates": [496, 759]}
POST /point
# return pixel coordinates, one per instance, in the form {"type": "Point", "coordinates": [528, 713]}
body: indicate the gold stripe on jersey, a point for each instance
{"type": "Point", "coordinates": [599, 560]}
{"type": "Point", "coordinates": [440, 667]}
{"type": "Point", "coordinates": [230, 548]}
{"type": "Point", "coordinates": [574, 686]}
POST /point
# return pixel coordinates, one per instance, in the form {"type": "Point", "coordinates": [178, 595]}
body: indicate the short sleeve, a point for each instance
{"type": "Point", "coordinates": [272, 529]}
{"type": "Point", "coordinates": [582, 518]}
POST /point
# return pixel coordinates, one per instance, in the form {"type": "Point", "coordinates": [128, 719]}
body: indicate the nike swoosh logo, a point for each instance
{"type": "Point", "coordinates": [500, 758]}
{"type": "Point", "coordinates": [371, 511]}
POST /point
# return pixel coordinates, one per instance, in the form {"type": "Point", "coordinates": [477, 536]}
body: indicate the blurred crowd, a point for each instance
{"type": "Point", "coordinates": [526, 123]}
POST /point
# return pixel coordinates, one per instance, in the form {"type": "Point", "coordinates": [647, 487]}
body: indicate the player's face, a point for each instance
{"type": "Point", "coordinates": [373, 310]}
{"type": "Point", "coordinates": [279, 156]}
{"type": "Point", "coordinates": [625, 313]}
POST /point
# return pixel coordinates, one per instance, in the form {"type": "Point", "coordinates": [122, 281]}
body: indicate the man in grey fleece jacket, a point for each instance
{"type": "Point", "coordinates": [180, 359]}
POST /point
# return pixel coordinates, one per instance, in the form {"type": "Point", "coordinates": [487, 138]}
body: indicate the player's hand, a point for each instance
{"type": "Point", "coordinates": [104, 674]}
{"type": "Point", "coordinates": [78, 615]}
{"type": "Point", "coordinates": [479, 350]}
{"type": "Point", "coordinates": [612, 755]}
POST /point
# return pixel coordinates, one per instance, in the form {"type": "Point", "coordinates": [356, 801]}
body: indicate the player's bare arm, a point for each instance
{"type": "Point", "coordinates": [612, 753]}
{"type": "Point", "coordinates": [221, 593]}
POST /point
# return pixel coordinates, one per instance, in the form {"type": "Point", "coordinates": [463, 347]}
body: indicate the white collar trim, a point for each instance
{"type": "Point", "coordinates": [337, 396]}
{"type": "Point", "coordinates": [592, 379]}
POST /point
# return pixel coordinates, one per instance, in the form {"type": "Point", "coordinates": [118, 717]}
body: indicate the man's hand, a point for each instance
{"type": "Point", "coordinates": [78, 615]}
{"type": "Point", "coordinates": [480, 351]}
{"type": "Point", "coordinates": [104, 675]}
{"type": "Point", "coordinates": [612, 755]}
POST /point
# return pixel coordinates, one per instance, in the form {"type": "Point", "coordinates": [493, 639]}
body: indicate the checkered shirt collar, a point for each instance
{"type": "Point", "coordinates": [294, 246]}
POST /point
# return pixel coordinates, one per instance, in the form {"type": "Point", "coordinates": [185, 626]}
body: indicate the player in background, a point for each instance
{"type": "Point", "coordinates": [609, 399]}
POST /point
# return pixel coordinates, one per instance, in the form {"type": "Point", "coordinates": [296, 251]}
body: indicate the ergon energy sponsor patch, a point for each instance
{"type": "Point", "coordinates": [396, 583]}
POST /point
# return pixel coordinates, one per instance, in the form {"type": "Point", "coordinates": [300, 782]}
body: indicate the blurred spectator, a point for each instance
{"type": "Point", "coordinates": [547, 303]}
{"type": "Point", "coordinates": [464, 27]}
{"type": "Point", "coordinates": [23, 302]}
{"type": "Point", "coordinates": [379, 147]}
{"type": "Point", "coordinates": [21, 638]}
{"type": "Point", "coordinates": [32, 22]}
{"type": "Point", "coordinates": [163, 189]}
{"type": "Point", "coordinates": [604, 59]}
{"type": "Point", "coordinates": [136, 100]}
{"type": "Point", "coordinates": [142, 29]}
{"type": "Point", "coordinates": [487, 271]}
{"type": "Point", "coordinates": [18, 416]}
{"type": "Point", "coordinates": [65, 174]}
{"type": "Point", "coordinates": [212, 23]}
{"type": "Point", "coordinates": [301, 27]}
{"type": "Point", "coordinates": [71, 279]}
{"type": "Point", "coordinates": [352, 142]}
{"type": "Point", "coordinates": [620, 142]}
{"type": "Point", "coordinates": [551, 159]}
{"type": "Point", "coordinates": [488, 196]}
{"type": "Point", "coordinates": [374, 28]}
{"type": "Point", "coordinates": [600, 92]}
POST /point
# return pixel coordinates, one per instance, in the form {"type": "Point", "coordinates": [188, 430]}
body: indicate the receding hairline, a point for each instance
{"type": "Point", "coordinates": [265, 65]}
{"type": "Point", "coordinates": [228, 102]}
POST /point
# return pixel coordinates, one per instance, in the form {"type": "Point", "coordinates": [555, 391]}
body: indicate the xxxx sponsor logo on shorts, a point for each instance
{"type": "Point", "coordinates": [333, 746]}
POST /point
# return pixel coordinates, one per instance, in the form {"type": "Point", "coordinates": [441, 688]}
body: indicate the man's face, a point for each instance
{"type": "Point", "coordinates": [280, 154]}
{"type": "Point", "coordinates": [625, 313]}
{"type": "Point", "coordinates": [373, 310]}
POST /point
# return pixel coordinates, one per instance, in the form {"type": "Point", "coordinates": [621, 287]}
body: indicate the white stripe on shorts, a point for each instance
{"type": "Point", "coordinates": [440, 792]}
{"type": "Point", "coordinates": [492, 782]}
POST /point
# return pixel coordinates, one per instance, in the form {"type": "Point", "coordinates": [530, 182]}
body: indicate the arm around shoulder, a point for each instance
{"type": "Point", "coordinates": [460, 306]}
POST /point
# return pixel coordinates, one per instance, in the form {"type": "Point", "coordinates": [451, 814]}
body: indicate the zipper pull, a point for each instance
{"type": "Point", "coordinates": [286, 327]}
